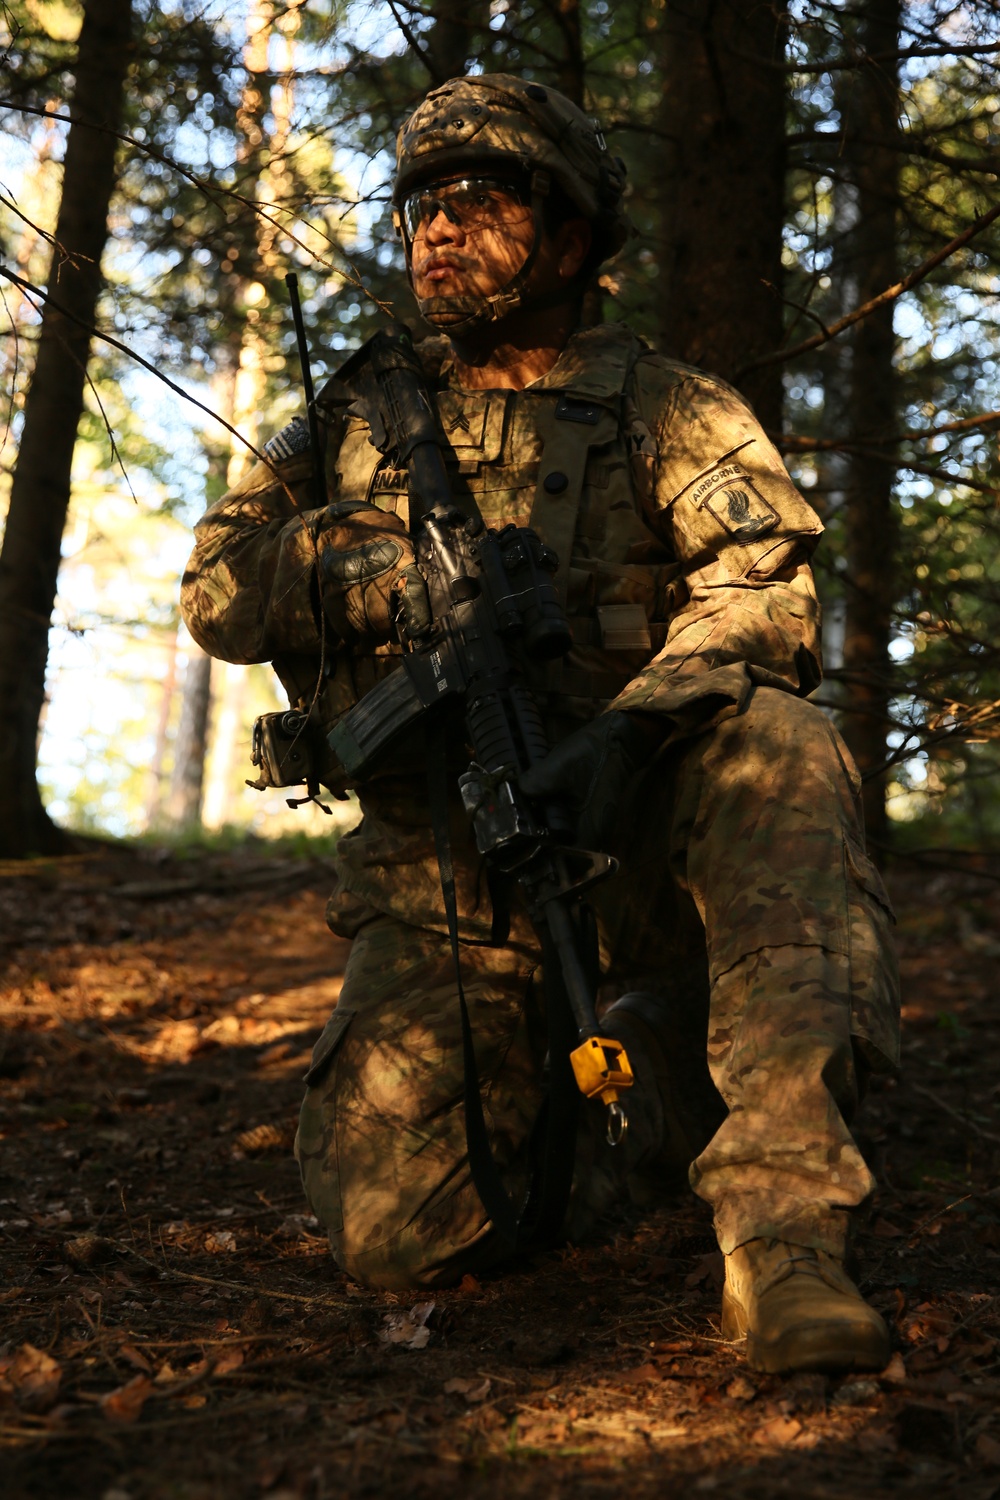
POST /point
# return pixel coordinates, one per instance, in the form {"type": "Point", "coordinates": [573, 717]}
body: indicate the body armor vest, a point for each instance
{"type": "Point", "coordinates": [573, 459]}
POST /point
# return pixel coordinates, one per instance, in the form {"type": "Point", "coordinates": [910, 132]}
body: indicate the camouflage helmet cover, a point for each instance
{"type": "Point", "coordinates": [498, 120]}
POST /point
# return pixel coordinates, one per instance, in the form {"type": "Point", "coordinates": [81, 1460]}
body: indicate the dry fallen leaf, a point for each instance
{"type": "Point", "coordinates": [779, 1431]}
{"type": "Point", "coordinates": [709, 1272]}
{"type": "Point", "coordinates": [89, 1250]}
{"type": "Point", "coordinates": [125, 1404]}
{"type": "Point", "coordinates": [222, 1242]}
{"type": "Point", "coordinates": [895, 1370]}
{"type": "Point", "coordinates": [33, 1377]}
{"type": "Point", "coordinates": [293, 1226]}
{"type": "Point", "coordinates": [137, 1360]}
{"type": "Point", "coordinates": [228, 1359]}
{"type": "Point", "coordinates": [856, 1393]}
{"type": "Point", "coordinates": [639, 1374]}
{"type": "Point", "coordinates": [988, 1450]}
{"type": "Point", "coordinates": [409, 1329]}
{"type": "Point", "coordinates": [266, 1138]}
{"type": "Point", "coordinates": [741, 1389]}
{"type": "Point", "coordinates": [275, 1054]}
{"type": "Point", "coordinates": [473, 1391]}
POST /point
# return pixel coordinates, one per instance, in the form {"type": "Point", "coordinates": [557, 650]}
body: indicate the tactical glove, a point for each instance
{"type": "Point", "coordinates": [590, 771]}
{"type": "Point", "coordinates": [365, 561]}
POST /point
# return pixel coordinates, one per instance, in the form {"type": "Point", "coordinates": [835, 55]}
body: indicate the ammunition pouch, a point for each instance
{"type": "Point", "coordinates": [288, 749]}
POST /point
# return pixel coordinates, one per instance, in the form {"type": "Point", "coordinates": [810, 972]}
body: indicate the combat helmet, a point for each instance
{"type": "Point", "coordinates": [496, 122]}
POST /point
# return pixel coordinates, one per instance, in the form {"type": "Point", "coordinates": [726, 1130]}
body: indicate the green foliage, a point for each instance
{"type": "Point", "coordinates": [234, 838]}
{"type": "Point", "coordinates": [237, 173]}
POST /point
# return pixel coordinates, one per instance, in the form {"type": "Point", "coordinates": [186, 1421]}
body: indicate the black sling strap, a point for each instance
{"type": "Point", "coordinates": [540, 1217]}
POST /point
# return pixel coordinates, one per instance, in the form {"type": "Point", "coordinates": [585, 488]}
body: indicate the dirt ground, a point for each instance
{"type": "Point", "coordinates": [171, 1324]}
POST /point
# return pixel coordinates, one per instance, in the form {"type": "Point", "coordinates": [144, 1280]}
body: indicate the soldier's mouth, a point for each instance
{"type": "Point", "coordinates": [440, 270]}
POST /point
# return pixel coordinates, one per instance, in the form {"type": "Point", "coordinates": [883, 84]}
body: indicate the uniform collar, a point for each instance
{"type": "Point", "coordinates": [592, 366]}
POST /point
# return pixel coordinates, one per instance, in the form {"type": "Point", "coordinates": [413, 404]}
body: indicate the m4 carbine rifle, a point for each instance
{"type": "Point", "coordinates": [491, 603]}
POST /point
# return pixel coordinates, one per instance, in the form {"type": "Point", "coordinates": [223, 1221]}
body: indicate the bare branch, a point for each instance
{"type": "Point", "coordinates": [867, 308]}
{"type": "Point", "coordinates": [210, 190]}
{"type": "Point", "coordinates": [115, 451]}
{"type": "Point", "coordinates": [13, 378]}
{"type": "Point", "coordinates": [865, 59]}
{"type": "Point", "coordinates": [824, 445]}
{"type": "Point", "coordinates": [414, 45]}
{"type": "Point", "coordinates": [32, 291]}
{"type": "Point", "coordinates": [43, 234]}
{"type": "Point", "coordinates": [904, 143]}
{"type": "Point", "coordinates": [911, 465]}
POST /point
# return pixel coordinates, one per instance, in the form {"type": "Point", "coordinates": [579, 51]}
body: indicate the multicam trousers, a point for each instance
{"type": "Point", "coordinates": [746, 901]}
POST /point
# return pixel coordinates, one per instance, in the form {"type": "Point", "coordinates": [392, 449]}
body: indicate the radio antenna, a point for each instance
{"type": "Point", "coordinates": [318, 480]}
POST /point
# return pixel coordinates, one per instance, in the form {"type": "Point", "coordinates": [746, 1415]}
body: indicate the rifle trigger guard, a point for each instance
{"type": "Point", "coordinates": [591, 868]}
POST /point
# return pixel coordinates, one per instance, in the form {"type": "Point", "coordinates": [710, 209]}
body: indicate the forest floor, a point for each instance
{"type": "Point", "coordinates": [171, 1324]}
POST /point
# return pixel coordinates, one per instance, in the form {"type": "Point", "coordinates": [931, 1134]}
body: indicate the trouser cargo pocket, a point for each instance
{"type": "Point", "coordinates": [316, 1144]}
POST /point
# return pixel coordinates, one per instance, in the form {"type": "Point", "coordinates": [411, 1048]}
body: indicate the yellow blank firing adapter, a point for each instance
{"type": "Point", "coordinates": [601, 1067]}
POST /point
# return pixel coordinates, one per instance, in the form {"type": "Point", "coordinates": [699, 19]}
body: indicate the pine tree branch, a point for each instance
{"type": "Point", "coordinates": [879, 59]}
{"type": "Point", "coordinates": [906, 144]}
{"type": "Point", "coordinates": [891, 293]}
{"type": "Point", "coordinates": [32, 291]}
{"type": "Point", "coordinates": [415, 47]}
{"type": "Point", "coordinates": [827, 445]}
{"type": "Point", "coordinates": [211, 190]}
{"type": "Point", "coordinates": [43, 234]}
{"type": "Point", "coordinates": [883, 456]}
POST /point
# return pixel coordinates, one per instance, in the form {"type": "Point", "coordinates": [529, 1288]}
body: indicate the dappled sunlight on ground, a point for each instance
{"type": "Point", "coordinates": [173, 1325]}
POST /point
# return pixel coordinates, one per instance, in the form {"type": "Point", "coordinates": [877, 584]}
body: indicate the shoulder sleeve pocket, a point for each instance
{"type": "Point", "coordinates": [325, 1049]}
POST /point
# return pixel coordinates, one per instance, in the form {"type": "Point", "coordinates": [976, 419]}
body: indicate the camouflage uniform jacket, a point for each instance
{"type": "Point", "coordinates": [684, 551]}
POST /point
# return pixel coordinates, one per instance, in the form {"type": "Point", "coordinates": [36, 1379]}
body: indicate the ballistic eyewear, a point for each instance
{"type": "Point", "coordinates": [470, 202]}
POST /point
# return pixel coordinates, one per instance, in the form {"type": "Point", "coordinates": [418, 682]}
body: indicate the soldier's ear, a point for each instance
{"type": "Point", "coordinates": [574, 240]}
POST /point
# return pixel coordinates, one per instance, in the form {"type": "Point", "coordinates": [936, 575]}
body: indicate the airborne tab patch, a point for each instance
{"type": "Point", "coordinates": [735, 502]}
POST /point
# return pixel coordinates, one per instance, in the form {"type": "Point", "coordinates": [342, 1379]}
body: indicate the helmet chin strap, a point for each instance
{"type": "Point", "coordinates": [458, 315]}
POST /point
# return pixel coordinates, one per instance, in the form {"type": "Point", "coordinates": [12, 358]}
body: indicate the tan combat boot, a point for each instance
{"type": "Point", "coordinates": [799, 1310]}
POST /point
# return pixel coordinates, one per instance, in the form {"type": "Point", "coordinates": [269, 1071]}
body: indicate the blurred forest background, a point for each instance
{"type": "Point", "coordinates": [814, 191]}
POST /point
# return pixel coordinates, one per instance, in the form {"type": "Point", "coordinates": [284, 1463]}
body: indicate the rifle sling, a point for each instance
{"type": "Point", "coordinates": [543, 1209]}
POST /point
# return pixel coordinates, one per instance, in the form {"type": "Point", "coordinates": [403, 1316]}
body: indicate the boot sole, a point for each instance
{"type": "Point", "coordinates": [823, 1348]}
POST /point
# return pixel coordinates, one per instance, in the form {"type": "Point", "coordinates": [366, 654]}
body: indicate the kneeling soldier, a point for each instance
{"type": "Point", "coordinates": [747, 932]}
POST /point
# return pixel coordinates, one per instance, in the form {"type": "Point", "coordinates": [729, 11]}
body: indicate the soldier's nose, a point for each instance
{"type": "Point", "coordinates": [441, 230]}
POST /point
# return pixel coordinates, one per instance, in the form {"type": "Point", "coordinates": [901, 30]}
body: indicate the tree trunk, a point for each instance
{"type": "Point", "coordinates": [871, 115]}
{"type": "Point", "coordinates": [154, 805]}
{"type": "Point", "coordinates": [722, 211]}
{"type": "Point", "coordinates": [190, 747]}
{"type": "Point", "coordinates": [226, 773]}
{"type": "Point", "coordinates": [40, 489]}
{"type": "Point", "coordinates": [454, 37]}
{"type": "Point", "coordinates": [572, 81]}
{"type": "Point", "coordinates": [572, 74]}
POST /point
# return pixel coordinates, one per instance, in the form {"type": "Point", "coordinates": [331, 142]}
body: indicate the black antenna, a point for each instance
{"type": "Point", "coordinates": [319, 481]}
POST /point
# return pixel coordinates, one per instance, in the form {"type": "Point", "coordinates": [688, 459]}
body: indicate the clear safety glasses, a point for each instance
{"type": "Point", "coordinates": [470, 202]}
